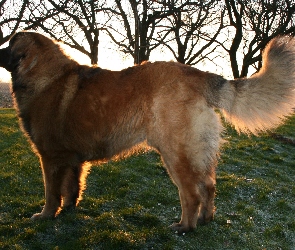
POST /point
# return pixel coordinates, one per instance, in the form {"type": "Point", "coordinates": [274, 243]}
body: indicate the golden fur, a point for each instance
{"type": "Point", "coordinates": [74, 114]}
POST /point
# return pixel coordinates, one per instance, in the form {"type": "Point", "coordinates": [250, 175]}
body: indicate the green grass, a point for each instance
{"type": "Point", "coordinates": [129, 204]}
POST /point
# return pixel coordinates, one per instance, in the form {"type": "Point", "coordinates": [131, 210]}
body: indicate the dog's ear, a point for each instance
{"type": "Point", "coordinates": [15, 37]}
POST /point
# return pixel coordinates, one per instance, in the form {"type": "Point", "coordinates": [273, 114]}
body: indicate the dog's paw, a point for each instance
{"type": "Point", "coordinates": [41, 216]}
{"type": "Point", "coordinates": [203, 220]}
{"type": "Point", "coordinates": [180, 228]}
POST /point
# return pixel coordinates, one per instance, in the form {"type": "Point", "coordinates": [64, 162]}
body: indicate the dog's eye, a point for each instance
{"type": "Point", "coordinates": [15, 60]}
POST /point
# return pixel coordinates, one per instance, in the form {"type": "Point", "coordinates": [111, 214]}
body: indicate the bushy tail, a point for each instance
{"type": "Point", "coordinates": [262, 101]}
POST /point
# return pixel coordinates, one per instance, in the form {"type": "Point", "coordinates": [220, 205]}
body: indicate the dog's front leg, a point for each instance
{"type": "Point", "coordinates": [52, 176]}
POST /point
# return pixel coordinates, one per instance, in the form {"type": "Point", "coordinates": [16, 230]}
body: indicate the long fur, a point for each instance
{"type": "Point", "coordinates": [263, 101]}
{"type": "Point", "coordinates": [74, 114]}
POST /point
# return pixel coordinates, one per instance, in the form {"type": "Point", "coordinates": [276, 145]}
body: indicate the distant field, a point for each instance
{"type": "Point", "coordinates": [5, 96]}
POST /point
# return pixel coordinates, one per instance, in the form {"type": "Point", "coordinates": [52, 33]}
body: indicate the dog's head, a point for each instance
{"type": "Point", "coordinates": [23, 50]}
{"type": "Point", "coordinates": [34, 61]}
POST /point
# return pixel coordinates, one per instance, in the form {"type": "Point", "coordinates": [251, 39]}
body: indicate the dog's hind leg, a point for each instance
{"type": "Point", "coordinates": [190, 197]}
{"type": "Point", "coordinates": [196, 192]}
{"type": "Point", "coordinates": [207, 189]}
{"type": "Point", "coordinates": [189, 144]}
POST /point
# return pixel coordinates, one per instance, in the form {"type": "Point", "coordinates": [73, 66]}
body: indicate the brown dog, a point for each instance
{"type": "Point", "coordinates": [73, 114]}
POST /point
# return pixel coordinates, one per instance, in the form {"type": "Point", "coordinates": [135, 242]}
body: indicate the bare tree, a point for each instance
{"type": "Point", "coordinates": [11, 19]}
{"type": "Point", "coordinates": [190, 30]}
{"type": "Point", "coordinates": [193, 26]}
{"type": "Point", "coordinates": [256, 23]}
{"type": "Point", "coordinates": [139, 21]}
{"type": "Point", "coordinates": [72, 22]}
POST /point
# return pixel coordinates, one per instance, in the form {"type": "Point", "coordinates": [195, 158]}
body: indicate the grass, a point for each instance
{"type": "Point", "coordinates": [129, 204]}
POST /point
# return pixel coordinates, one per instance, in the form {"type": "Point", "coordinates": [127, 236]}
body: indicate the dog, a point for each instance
{"type": "Point", "coordinates": [74, 114]}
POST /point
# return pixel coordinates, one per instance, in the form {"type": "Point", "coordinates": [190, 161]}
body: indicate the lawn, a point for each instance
{"type": "Point", "coordinates": [130, 203]}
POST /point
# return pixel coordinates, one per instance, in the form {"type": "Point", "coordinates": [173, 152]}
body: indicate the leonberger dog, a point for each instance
{"type": "Point", "coordinates": [74, 114]}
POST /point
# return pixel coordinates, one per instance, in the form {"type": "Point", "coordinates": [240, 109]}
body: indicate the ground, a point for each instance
{"type": "Point", "coordinates": [5, 96]}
